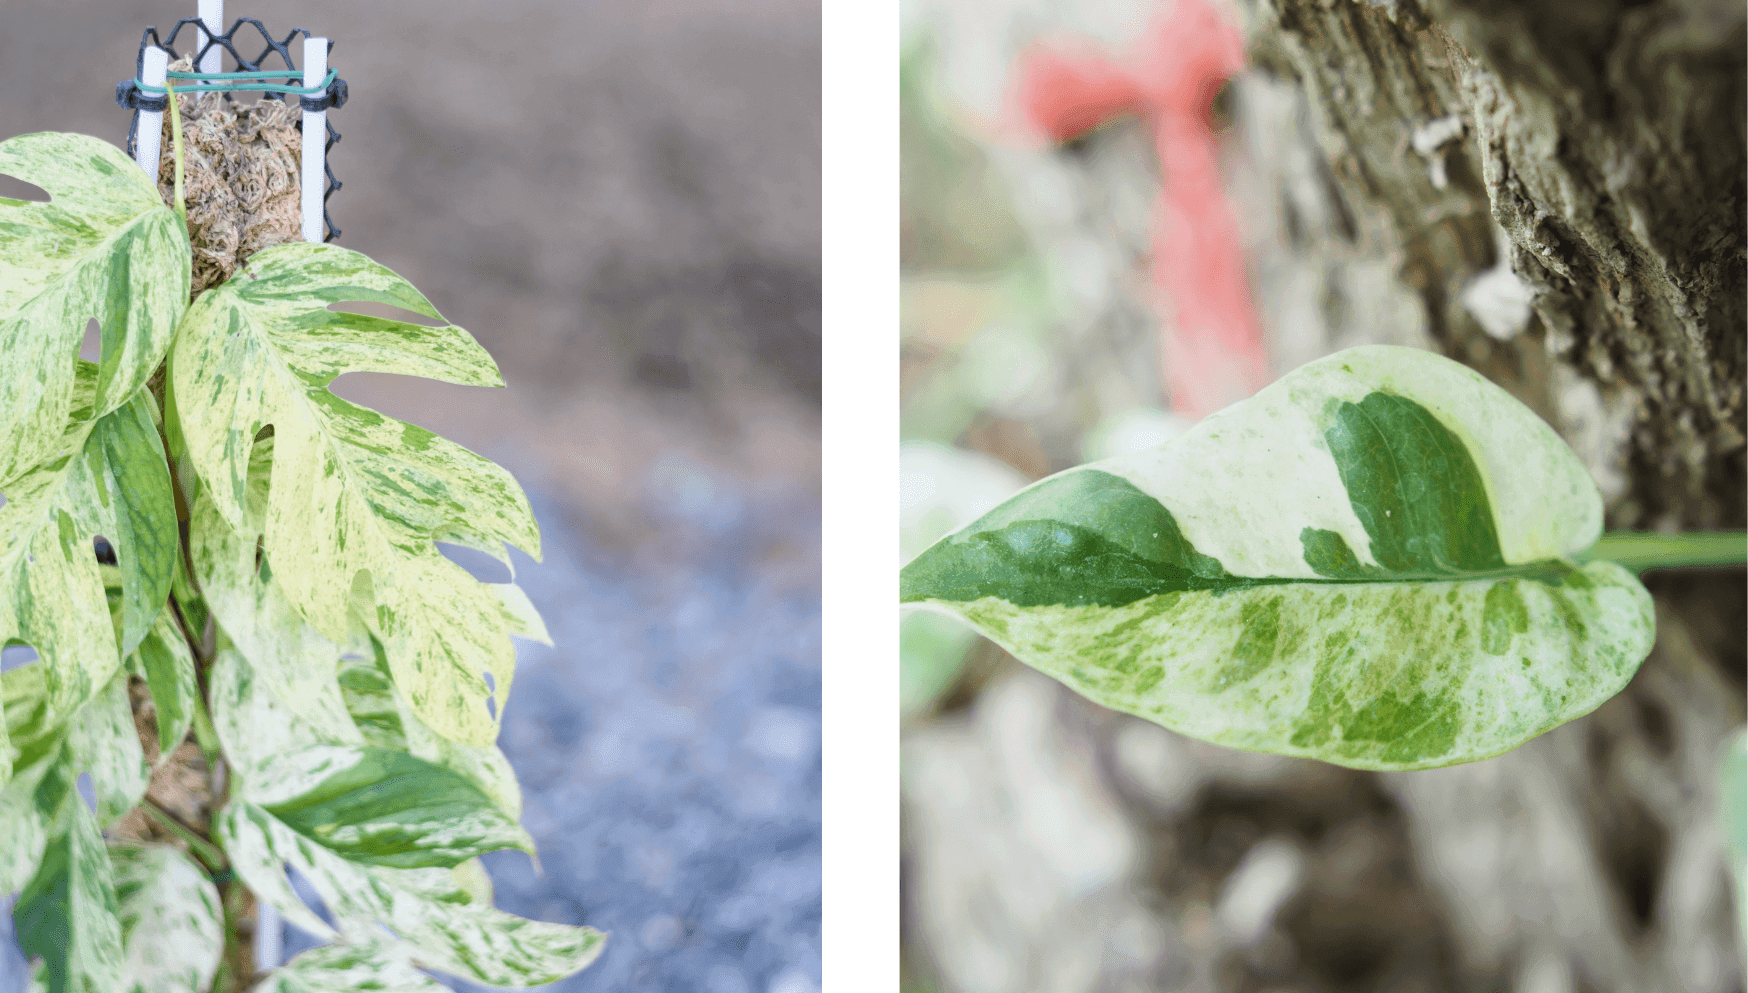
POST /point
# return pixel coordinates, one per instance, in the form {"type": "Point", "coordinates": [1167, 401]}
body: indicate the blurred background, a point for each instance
{"type": "Point", "coordinates": [1119, 215]}
{"type": "Point", "coordinates": [622, 203]}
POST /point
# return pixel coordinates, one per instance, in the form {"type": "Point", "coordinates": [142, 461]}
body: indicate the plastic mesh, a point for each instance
{"type": "Point", "coordinates": [270, 57]}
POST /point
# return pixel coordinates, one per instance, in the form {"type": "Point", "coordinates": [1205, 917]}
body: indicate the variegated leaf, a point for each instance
{"type": "Point", "coordinates": [106, 477]}
{"type": "Point", "coordinates": [293, 661]}
{"type": "Point", "coordinates": [104, 742]}
{"type": "Point", "coordinates": [98, 739]}
{"type": "Point", "coordinates": [165, 663]}
{"type": "Point", "coordinates": [378, 806]}
{"type": "Point", "coordinates": [344, 968]}
{"type": "Point", "coordinates": [471, 878]}
{"type": "Point", "coordinates": [67, 914]}
{"type": "Point", "coordinates": [105, 246]}
{"type": "Point", "coordinates": [355, 495]}
{"type": "Point", "coordinates": [172, 924]}
{"type": "Point", "coordinates": [254, 724]}
{"type": "Point", "coordinates": [423, 907]}
{"type": "Point", "coordinates": [1365, 563]}
{"type": "Point", "coordinates": [386, 721]}
{"type": "Point", "coordinates": [28, 808]}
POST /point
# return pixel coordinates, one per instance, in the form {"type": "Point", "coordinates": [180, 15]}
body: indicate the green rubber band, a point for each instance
{"type": "Point", "coordinates": [244, 82]}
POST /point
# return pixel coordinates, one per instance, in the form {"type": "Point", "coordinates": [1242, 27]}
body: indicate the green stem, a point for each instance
{"type": "Point", "coordinates": [209, 853]}
{"type": "Point", "coordinates": [176, 145]}
{"type": "Point", "coordinates": [1641, 550]}
{"type": "Point", "coordinates": [204, 732]}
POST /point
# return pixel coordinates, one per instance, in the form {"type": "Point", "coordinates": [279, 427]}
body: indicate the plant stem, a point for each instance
{"type": "Point", "coordinates": [1641, 550]}
{"type": "Point", "coordinates": [176, 145]}
{"type": "Point", "coordinates": [206, 850]}
{"type": "Point", "coordinates": [204, 732]}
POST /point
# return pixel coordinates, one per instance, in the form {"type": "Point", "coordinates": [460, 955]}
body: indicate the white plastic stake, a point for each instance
{"type": "Point", "coordinates": [212, 15]}
{"type": "Point", "coordinates": [149, 140]}
{"type": "Point", "coordinates": [269, 936]}
{"type": "Point", "coordinates": [315, 141]}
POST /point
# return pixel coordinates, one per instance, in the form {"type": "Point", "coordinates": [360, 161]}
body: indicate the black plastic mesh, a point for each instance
{"type": "Point", "coordinates": [129, 95]}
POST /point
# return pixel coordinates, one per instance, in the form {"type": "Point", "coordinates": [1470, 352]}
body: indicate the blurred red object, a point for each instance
{"type": "Point", "coordinates": [1212, 354]}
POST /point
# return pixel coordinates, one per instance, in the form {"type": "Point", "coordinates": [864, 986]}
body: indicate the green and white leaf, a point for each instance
{"type": "Point", "coordinates": [98, 739]}
{"type": "Point", "coordinates": [28, 808]}
{"type": "Point", "coordinates": [105, 246]}
{"type": "Point", "coordinates": [355, 494]}
{"type": "Point", "coordinates": [102, 738]}
{"type": "Point", "coordinates": [52, 595]}
{"type": "Point", "coordinates": [294, 662]}
{"type": "Point", "coordinates": [172, 924]}
{"type": "Point", "coordinates": [379, 806]}
{"type": "Point", "coordinates": [1365, 563]}
{"type": "Point", "coordinates": [165, 663]}
{"type": "Point", "coordinates": [471, 878]}
{"type": "Point", "coordinates": [424, 907]}
{"type": "Point", "coordinates": [67, 914]}
{"type": "Point", "coordinates": [283, 666]}
{"type": "Point", "coordinates": [344, 968]}
{"type": "Point", "coordinates": [254, 724]}
{"type": "Point", "coordinates": [386, 721]}
{"type": "Point", "coordinates": [371, 804]}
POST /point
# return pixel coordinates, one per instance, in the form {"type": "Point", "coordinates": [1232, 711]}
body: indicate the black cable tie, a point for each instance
{"type": "Point", "coordinates": [333, 97]}
{"type": "Point", "coordinates": [129, 96]}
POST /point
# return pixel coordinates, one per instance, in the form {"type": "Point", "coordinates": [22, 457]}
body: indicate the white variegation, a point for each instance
{"type": "Point", "coordinates": [1170, 659]}
{"type": "Point", "coordinates": [105, 246]}
{"type": "Point", "coordinates": [1256, 631]}
{"type": "Point", "coordinates": [374, 817]}
{"type": "Point", "coordinates": [106, 743]}
{"type": "Point", "coordinates": [254, 724]}
{"type": "Point", "coordinates": [99, 738]}
{"type": "Point", "coordinates": [67, 913]}
{"type": "Point", "coordinates": [1225, 479]}
{"type": "Point", "coordinates": [388, 722]}
{"type": "Point", "coordinates": [423, 907]}
{"type": "Point", "coordinates": [172, 925]}
{"type": "Point", "coordinates": [355, 497]}
{"type": "Point", "coordinates": [52, 594]}
{"type": "Point", "coordinates": [26, 814]}
{"type": "Point", "coordinates": [378, 966]}
{"type": "Point", "coordinates": [294, 661]}
{"type": "Point", "coordinates": [167, 666]}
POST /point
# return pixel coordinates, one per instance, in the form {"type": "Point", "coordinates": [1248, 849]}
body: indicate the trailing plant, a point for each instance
{"type": "Point", "coordinates": [199, 539]}
{"type": "Point", "coordinates": [1382, 561]}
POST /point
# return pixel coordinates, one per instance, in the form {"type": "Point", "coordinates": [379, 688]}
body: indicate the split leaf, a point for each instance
{"type": "Point", "coordinates": [357, 500]}
{"type": "Point", "coordinates": [52, 595]}
{"type": "Point", "coordinates": [105, 246]}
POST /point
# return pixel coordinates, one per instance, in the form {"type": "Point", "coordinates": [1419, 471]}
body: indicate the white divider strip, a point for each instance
{"type": "Point", "coordinates": [212, 16]}
{"type": "Point", "coordinates": [269, 936]}
{"type": "Point", "coordinates": [150, 137]}
{"type": "Point", "coordinates": [315, 139]}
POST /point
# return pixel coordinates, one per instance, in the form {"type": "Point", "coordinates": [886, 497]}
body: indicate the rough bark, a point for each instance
{"type": "Point", "coordinates": [1606, 141]}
